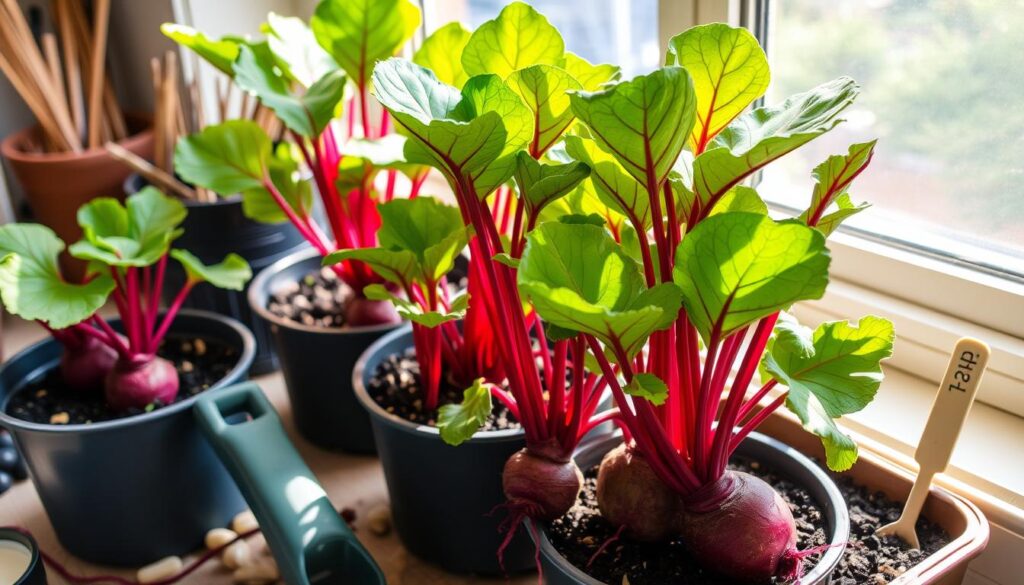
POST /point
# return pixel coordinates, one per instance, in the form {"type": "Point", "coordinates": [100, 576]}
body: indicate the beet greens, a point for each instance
{"type": "Point", "coordinates": [659, 276]}
{"type": "Point", "coordinates": [127, 247]}
{"type": "Point", "coordinates": [300, 75]}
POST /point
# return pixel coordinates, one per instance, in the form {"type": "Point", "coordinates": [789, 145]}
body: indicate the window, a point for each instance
{"type": "Point", "coordinates": [941, 92]}
{"type": "Point", "coordinates": [624, 32]}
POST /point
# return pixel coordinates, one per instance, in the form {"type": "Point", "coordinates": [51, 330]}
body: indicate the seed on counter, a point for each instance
{"type": "Point", "coordinates": [244, 522]}
{"type": "Point", "coordinates": [200, 347]}
{"type": "Point", "coordinates": [378, 520]}
{"type": "Point", "coordinates": [60, 418]}
{"type": "Point", "coordinates": [260, 572]}
{"type": "Point", "coordinates": [218, 537]}
{"type": "Point", "coordinates": [237, 555]}
{"type": "Point", "coordinates": [163, 569]}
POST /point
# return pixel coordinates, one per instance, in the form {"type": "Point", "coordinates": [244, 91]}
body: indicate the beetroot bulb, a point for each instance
{"type": "Point", "coordinates": [364, 312]}
{"type": "Point", "coordinates": [631, 496]}
{"type": "Point", "coordinates": [140, 380]}
{"type": "Point", "coordinates": [742, 528]}
{"type": "Point", "coordinates": [84, 364]}
{"type": "Point", "coordinates": [541, 483]}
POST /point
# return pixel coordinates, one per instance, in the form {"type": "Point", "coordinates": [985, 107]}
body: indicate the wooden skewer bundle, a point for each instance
{"type": "Point", "coordinates": [50, 78]}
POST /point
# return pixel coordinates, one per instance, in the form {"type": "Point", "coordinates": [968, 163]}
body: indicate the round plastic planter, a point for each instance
{"type": "Point", "coordinates": [35, 573]}
{"type": "Point", "coordinates": [132, 490]}
{"type": "Point", "coordinates": [443, 498]}
{"type": "Point", "coordinates": [782, 458]}
{"type": "Point", "coordinates": [212, 230]}
{"type": "Point", "coordinates": [317, 362]}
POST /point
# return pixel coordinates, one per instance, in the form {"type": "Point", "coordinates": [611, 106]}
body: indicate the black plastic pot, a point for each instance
{"type": "Point", "coordinates": [443, 498]}
{"type": "Point", "coordinates": [212, 230]}
{"type": "Point", "coordinates": [132, 490]}
{"type": "Point", "coordinates": [317, 362]}
{"type": "Point", "coordinates": [780, 457]}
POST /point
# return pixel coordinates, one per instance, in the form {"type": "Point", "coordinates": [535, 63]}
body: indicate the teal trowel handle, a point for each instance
{"type": "Point", "coordinates": [311, 543]}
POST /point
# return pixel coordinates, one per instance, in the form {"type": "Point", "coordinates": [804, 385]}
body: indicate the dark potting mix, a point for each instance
{"type": "Point", "coordinates": [200, 363]}
{"type": "Point", "coordinates": [868, 559]}
{"type": "Point", "coordinates": [395, 386]}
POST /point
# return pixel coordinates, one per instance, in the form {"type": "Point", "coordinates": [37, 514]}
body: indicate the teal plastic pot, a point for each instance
{"type": "Point", "coordinates": [212, 231]}
{"type": "Point", "coordinates": [308, 539]}
{"type": "Point", "coordinates": [317, 362]}
{"type": "Point", "coordinates": [780, 457]}
{"type": "Point", "coordinates": [133, 490]}
{"type": "Point", "coordinates": [443, 498]}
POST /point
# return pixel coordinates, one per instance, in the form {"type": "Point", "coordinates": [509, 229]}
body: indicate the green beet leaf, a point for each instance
{"type": "Point", "coordinates": [543, 89]}
{"type": "Point", "coordinates": [591, 77]}
{"type": "Point", "coordinates": [644, 122]}
{"type": "Point", "coordinates": [470, 136]}
{"type": "Point", "coordinates": [540, 183]}
{"type": "Point", "coordinates": [740, 198]}
{"type": "Point", "coordinates": [757, 138]}
{"type": "Point", "coordinates": [729, 71]}
{"type": "Point", "coordinates": [613, 185]}
{"type": "Point", "coordinates": [832, 180]}
{"type": "Point", "coordinates": [415, 313]}
{"type": "Point", "coordinates": [363, 158]}
{"type": "Point", "coordinates": [231, 273]}
{"type": "Point", "coordinates": [358, 33]}
{"type": "Point", "coordinates": [441, 52]}
{"type": "Point", "coordinates": [221, 54]}
{"type": "Point", "coordinates": [295, 48]}
{"type": "Point", "coordinates": [31, 285]}
{"type": "Point", "coordinates": [579, 279]}
{"type": "Point", "coordinates": [431, 230]}
{"type": "Point", "coordinates": [307, 113]}
{"type": "Point", "coordinates": [649, 387]}
{"type": "Point", "coordinates": [136, 234]}
{"type": "Point", "coordinates": [227, 158]}
{"type": "Point", "coordinates": [519, 37]}
{"type": "Point", "coordinates": [735, 268]}
{"type": "Point", "coordinates": [832, 371]}
{"type": "Point", "coordinates": [458, 422]}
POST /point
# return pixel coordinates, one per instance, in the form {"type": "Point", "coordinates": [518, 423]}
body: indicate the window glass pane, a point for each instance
{"type": "Point", "coordinates": [623, 32]}
{"type": "Point", "coordinates": [942, 82]}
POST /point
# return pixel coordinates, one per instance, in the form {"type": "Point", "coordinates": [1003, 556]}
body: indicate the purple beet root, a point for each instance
{"type": "Point", "coordinates": [631, 496]}
{"type": "Point", "coordinates": [140, 381]}
{"type": "Point", "coordinates": [85, 366]}
{"type": "Point", "coordinates": [363, 312]}
{"type": "Point", "coordinates": [740, 527]}
{"type": "Point", "coordinates": [543, 487]}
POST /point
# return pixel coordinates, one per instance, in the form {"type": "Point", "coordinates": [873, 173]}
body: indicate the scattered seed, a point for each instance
{"type": "Point", "coordinates": [61, 418]}
{"type": "Point", "coordinates": [186, 366]}
{"type": "Point", "coordinates": [244, 522]}
{"type": "Point", "coordinates": [237, 555]}
{"type": "Point", "coordinates": [378, 520]}
{"type": "Point", "coordinates": [160, 570]}
{"type": "Point", "coordinates": [200, 347]}
{"type": "Point", "coordinates": [218, 537]}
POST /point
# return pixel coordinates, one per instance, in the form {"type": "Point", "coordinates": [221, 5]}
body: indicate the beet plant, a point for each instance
{"type": "Point", "coordinates": [690, 292]}
{"type": "Point", "coordinates": [127, 247]}
{"type": "Point", "coordinates": [303, 75]}
{"type": "Point", "coordinates": [660, 276]}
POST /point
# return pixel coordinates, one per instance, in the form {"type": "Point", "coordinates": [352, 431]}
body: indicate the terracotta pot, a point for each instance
{"type": "Point", "coordinates": [962, 520]}
{"type": "Point", "coordinates": [56, 184]}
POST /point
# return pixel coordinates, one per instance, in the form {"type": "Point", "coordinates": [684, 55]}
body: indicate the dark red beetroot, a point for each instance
{"type": "Point", "coordinates": [631, 496]}
{"type": "Point", "coordinates": [541, 485]}
{"type": "Point", "coordinates": [85, 365]}
{"type": "Point", "coordinates": [742, 528]}
{"type": "Point", "coordinates": [139, 381]}
{"type": "Point", "coordinates": [363, 312]}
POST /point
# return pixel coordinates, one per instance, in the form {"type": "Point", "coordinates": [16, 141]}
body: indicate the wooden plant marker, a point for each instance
{"type": "Point", "coordinates": [949, 411]}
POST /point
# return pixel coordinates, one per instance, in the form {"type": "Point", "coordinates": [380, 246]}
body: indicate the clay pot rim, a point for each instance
{"type": "Point", "coordinates": [13, 146]}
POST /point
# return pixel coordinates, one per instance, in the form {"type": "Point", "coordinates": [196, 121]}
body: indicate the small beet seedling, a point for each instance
{"type": "Point", "coordinates": [299, 75]}
{"type": "Point", "coordinates": [659, 276]}
{"type": "Point", "coordinates": [127, 247]}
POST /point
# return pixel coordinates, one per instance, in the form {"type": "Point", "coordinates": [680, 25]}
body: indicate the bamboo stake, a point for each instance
{"type": "Point", "coordinates": [35, 103]}
{"type": "Point", "coordinates": [170, 103]}
{"type": "Point", "coordinates": [158, 106]}
{"type": "Point", "coordinates": [99, 50]}
{"type": "Point", "coordinates": [151, 173]}
{"type": "Point", "coordinates": [72, 73]}
{"type": "Point", "coordinates": [53, 61]}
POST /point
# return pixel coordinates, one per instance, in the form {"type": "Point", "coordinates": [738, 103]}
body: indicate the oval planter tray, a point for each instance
{"type": "Point", "coordinates": [785, 460]}
{"type": "Point", "coordinates": [131, 490]}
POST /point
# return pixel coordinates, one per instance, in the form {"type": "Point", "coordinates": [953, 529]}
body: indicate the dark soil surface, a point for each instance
{"type": "Point", "coordinates": [868, 560]}
{"type": "Point", "coordinates": [318, 300]}
{"type": "Point", "coordinates": [395, 386]}
{"type": "Point", "coordinates": [200, 364]}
